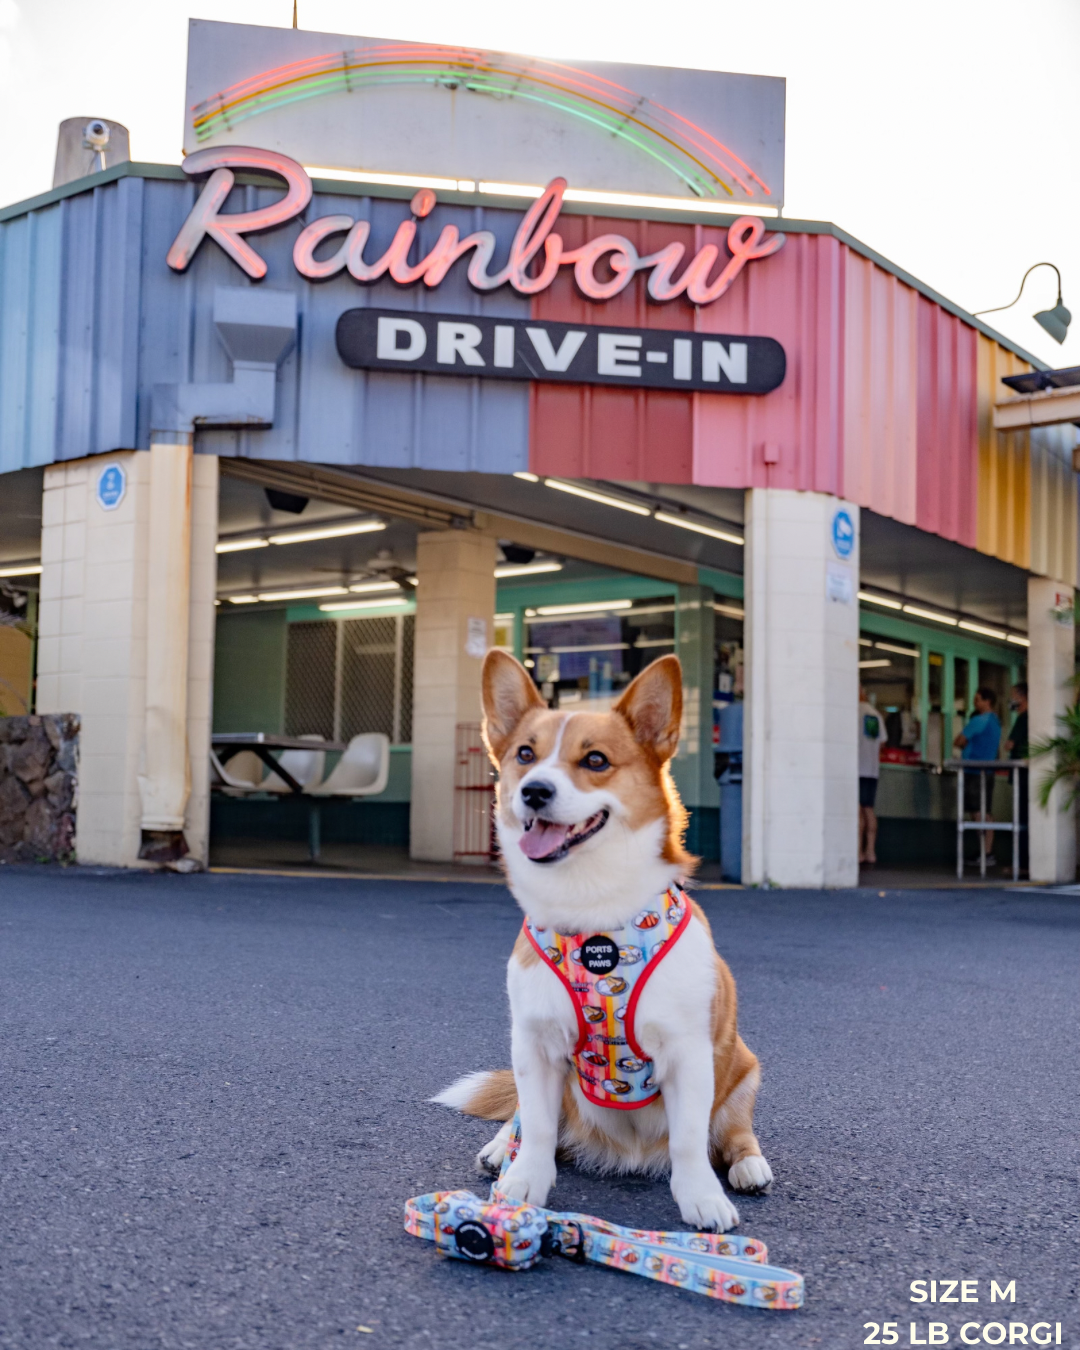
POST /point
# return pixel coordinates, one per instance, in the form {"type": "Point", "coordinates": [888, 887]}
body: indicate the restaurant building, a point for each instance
{"type": "Point", "coordinates": [292, 433]}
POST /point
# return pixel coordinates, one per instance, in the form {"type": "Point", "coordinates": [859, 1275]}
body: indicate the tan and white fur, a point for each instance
{"type": "Point", "coordinates": [602, 780]}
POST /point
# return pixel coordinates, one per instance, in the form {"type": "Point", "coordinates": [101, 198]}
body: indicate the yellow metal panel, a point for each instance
{"type": "Point", "coordinates": [1003, 521]}
{"type": "Point", "coordinates": [1053, 503]}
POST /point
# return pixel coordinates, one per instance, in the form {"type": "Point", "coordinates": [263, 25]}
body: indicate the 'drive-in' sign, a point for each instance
{"type": "Point", "coordinates": [529, 349]}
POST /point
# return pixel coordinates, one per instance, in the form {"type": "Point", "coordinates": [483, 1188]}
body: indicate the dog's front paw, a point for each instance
{"type": "Point", "coordinates": [490, 1158]}
{"type": "Point", "coordinates": [706, 1208]}
{"type": "Point", "coordinates": [528, 1181]}
{"type": "Point", "coordinates": [750, 1174]}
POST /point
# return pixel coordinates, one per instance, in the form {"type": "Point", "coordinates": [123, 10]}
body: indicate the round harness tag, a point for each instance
{"type": "Point", "coordinates": [599, 955]}
{"type": "Point", "coordinates": [474, 1241]}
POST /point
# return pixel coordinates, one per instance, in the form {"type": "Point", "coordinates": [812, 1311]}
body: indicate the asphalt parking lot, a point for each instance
{"type": "Point", "coordinates": [213, 1105]}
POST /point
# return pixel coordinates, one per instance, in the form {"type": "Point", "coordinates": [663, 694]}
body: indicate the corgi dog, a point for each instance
{"type": "Point", "coordinates": [590, 830]}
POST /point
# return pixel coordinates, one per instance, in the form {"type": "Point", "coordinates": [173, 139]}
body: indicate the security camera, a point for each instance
{"type": "Point", "coordinates": [96, 136]}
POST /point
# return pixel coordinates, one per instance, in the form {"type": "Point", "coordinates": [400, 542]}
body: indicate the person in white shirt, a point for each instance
{"type": "Point", "coordinates": [872, 737]}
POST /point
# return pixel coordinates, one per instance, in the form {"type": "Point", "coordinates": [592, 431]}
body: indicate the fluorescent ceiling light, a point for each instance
{"type": "Point", "coordinates": [390, 600]}
{"type": "Point", "coordinates": [732, 611]}
{"type": "Point", "coordinates": [865, 642]}
{"type": "Point", "coordinates": [594, 607]}
{"type": "Point", "coordinates": [364, 586]}
{"type": "Point", "coordinates": [900, 651]}
{"type": "Point", "coordinates": [243, 599]}
{"type": "Point", "coordinates": [504, 618]}
{"type": "Point", "coordinates": [684, 524]}
{"type": "Point", "coordinates": [931, 614]}
{"type": "Point", "coordinates": [24, 570]}
{"type": "Point", "coordinates": [309, 593]}
{"type": "Point", "coordinates": [655, 642]}
{"type": "Point", "coordinates": [526, 569]}
{"type": "Point", "coordinates": [872, 665]}
{"type": "Point", "coordinates": [881, 600]}
{"type": "Point", "coordinates": [510, 189]}
{"type": "Point", "coordinates": [591, 496]}
{"type": "Point", "coordinates": [981, 628]}
{"type": "Point", "coordinates": [330, 532]}
{"type": "Point", "coordinates": [598, 647]}
{"type": "Point", "coordinates": [1020, 641]}
{"type": "Point", "coordinates": [528, 477]}
{"type": "Point", "coordinates": [238, 545]}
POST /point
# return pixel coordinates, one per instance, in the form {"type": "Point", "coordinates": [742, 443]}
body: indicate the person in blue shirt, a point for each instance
{"type": "Point", "coordinates": [981, 739]}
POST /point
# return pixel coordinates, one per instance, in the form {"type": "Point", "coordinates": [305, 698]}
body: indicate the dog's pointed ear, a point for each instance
{"type": "Point", "coordinates": [508, 693]}
{"type": "Point", "coordinates": [653, 706]}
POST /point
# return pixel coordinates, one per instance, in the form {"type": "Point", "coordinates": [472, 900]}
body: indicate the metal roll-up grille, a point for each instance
{"type": "Point", "coordinates": [309, 679]}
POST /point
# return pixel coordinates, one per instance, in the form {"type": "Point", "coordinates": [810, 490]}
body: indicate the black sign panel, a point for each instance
{"type": "Point", "coordinates": [531, 349]}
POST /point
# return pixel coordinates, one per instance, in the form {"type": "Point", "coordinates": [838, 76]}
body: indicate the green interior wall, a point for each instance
{"type": "Point", "coordinates": [249, 671]}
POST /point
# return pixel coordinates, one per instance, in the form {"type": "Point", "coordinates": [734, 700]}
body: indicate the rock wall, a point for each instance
{"type": "Point", "coordinates": [38, 780]}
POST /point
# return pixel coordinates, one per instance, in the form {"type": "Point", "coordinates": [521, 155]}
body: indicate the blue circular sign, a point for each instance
{"type": "Point", "coordinates": [843, 534]}
{"type": "Point", "coordinates": [111, 486]}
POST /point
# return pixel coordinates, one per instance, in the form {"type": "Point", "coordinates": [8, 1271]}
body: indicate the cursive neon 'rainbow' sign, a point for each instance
{"type": "Point", "coordinates": [536, 254]}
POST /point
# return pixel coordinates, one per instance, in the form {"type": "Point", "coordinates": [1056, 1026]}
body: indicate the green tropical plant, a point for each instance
{"type": "Point", "coordinates": [1065, 750]}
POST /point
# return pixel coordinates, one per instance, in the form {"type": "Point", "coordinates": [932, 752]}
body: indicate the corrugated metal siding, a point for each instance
{"type": "Point", "coordinates": [947, 427]}
{"type": "Point", "coordinates": [880, 389]}
{"type": "Point", "coordinates": [1004, 485]}
{"type": "Point", "coordinates": [588, 431]}
{"type": "Point", "coordinates": [30, 271]}
{"type": "Point", "coordinates": [1053, 503]}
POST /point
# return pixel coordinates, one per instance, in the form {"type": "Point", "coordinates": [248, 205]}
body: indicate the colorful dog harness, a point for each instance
{"type": "Point", "coordinates": [604, 974]}
{"type": "Point", "coordinates": [501, 1232]}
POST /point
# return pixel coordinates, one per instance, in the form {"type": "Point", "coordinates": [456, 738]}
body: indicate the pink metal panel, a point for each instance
{"type": "Point", "coordinates": [880, 389]}
{"type": "Point", "coordinates": [790, 438]}
{"type": "Point", "coordinates": [583, 431]}
{"type": "Point", "coordinates": [947, 425]}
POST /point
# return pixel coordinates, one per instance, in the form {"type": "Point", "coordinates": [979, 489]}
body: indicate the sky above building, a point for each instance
{"type": "Point", "coordinates": [937, 132]}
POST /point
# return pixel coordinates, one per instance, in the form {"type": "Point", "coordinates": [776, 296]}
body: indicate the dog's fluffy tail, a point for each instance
{"type": "Point", "coordinates": [489, 1094]}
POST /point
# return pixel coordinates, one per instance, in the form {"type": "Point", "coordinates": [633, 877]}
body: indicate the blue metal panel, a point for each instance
{"type": "Point", "coordinates": [30, 256]}
{"type": "Point", "coordinates": [91, 318]}
{"type": "Point", "coordinates": [327, 413]}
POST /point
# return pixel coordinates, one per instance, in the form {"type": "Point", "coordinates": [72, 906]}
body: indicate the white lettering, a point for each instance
{"type": "Point", "coordinates": [912, 1338]}
{"type": "Point", "coordinates": [551, 359]}
{"type": "Point", "coordinates": [387, 348]}
{"type": "Point", "coordinates": [969, 1291]}
{"type": "Point", "coordinates": [504, 346]}
{"type": "Point", "coordinates": [999, 1295]}
{"type": "Point", "coordinates": [999, 1327]}
{"type": "Point", "coordinates": [964, 1333]}
{"type": "Point", "coordinates": [458, 339]}
{"type": "Point", "coordinates": [918, 1291]}
{"type": "Point", "coordinates": [1041, 1340]}
{"type": "Point", "coordinates": [617, 354]}
{"type": "Point", "coordinates": [939, 1333]}
{"type": "Point", "coordinates": [948, 1296]}
{"type": "Point", "coordinates": [659, 357]}
{"type": "Point", "coordinates": [1018, 1333]}
{"type": "Point", "coordinates": [684, 356]}
{"type": "Point", "coordinates": [715, 359]}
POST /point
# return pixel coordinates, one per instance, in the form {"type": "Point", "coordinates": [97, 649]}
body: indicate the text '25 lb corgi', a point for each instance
{"type": "Point", "coordinates": [625, 1046]}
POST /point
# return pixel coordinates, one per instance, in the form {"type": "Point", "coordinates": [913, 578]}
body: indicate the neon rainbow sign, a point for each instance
{"type": "Point", "coordinates": [536, 253]}
{"type": "Point", "coordinates": [703, 164]}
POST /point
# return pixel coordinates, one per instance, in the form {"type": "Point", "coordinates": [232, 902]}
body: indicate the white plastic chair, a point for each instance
{"type": "Point", "coordinates": [243, 775]}
{"type": "Point", "coordinates": [306, 766]}
{"type": "Point", "coordinates": [362, 770]}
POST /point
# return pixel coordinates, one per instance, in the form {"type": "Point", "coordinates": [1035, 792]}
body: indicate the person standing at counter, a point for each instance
{"type": "Point", "coordinates": [872, 736]}
{"type": "Point", "coordinates": [981, 739]}
{"type": "Point", "coordinates": [1016, 747]}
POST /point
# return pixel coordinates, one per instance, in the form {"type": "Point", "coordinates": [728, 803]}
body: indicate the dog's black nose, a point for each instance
{"type": "Point", "coordinates": [537, 793]}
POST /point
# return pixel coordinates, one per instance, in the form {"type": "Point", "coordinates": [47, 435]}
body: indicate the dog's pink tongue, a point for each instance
{"type": "Point", "coordinates": [544, 838]}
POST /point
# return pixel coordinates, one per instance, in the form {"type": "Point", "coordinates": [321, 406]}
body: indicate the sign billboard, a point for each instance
{"type": "Point", "coordinates": [471, 118]}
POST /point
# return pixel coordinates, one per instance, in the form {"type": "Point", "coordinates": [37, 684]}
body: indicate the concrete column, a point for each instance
{"type": "Point", "coordinates": [95, 619]}
{"type": "Point", "coordinates": [800, 762]}
{"type": "Point", "coordinates": [455, 607]}
{"type": "Point", "coordinates": [1051, 666]}
{"type": "Point", "coordinates": [692, 768]}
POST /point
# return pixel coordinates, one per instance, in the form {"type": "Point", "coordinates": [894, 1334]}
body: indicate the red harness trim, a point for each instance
{"type": "Point", "coordinates": [631, 1006]}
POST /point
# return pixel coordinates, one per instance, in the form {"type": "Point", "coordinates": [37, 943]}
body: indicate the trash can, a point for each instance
{"type": "Point", "coordinates": [729, 754]}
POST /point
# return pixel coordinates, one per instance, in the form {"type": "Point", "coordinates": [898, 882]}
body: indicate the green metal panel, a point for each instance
{"type": "Point", "coordinates": [249, 671]}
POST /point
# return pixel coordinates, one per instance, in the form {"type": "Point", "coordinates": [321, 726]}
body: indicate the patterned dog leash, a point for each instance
{"type": "Point", "coordinates": [512, 1236]}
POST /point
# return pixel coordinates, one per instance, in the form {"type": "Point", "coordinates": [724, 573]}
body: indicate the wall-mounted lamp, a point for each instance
{"type": "Point", "coordinates": [1054, 321]}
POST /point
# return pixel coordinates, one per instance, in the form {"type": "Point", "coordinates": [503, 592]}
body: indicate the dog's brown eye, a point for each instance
{"type": "Point", "coordinates": [596, 761]}
{"type": "Point", "coordinates": [525, 755]}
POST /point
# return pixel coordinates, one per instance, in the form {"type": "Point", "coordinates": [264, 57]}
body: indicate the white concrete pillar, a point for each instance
{"type": "Point", "coordinates": [800, 761]}
{"type": "Point", "coordinates": [692, 767]}
{"type": "Point", "coordinates": [1051, 666]}
{"type": "Point", "coordinates": [97, 611]}
{"type": "Point", "coordinates": [455, 609]}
